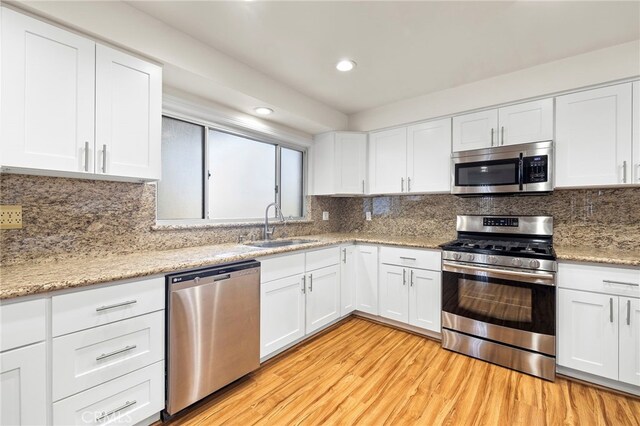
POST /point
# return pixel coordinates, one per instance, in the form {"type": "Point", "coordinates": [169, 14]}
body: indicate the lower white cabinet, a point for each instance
{"type": "Point", "coordinates": [425, 300]}
{"type": "Point", "coordinates": [394, 293]}
{"type": "Point", "coordinates": [323, 297]}
{"type": "Point", "coordinates": [126, 400]}
{"type": "Point", "coordinates": [367, 279]}
{"type": "Point", "coordinates": [348, 279]}
{"type": "Point", "coordinates": [23, 397]}
{"type": "Point", "coordinates": [629, 340]}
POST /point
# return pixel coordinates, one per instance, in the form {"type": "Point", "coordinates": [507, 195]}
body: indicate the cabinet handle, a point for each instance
{"type": "Point", "coordinates": [117, 305]}
{"type": "Point", "coordinates": [408, 184]}
{"type": "Point", "coordinates": [401, 184]}
{"type": "Point", "coordinates": [104, 158]}
{"type": "Point", "coordinates": [310, 282]}
{"type": "Point", "coordinates": [407, 258]}
{"type": "Point", "coordinates": [628, 312]}
{"type": "Point", "coordinates": [344, 255]}
{"type": "Point", "coordinates": [492, 136]}
{"type": "Point", "coordinates": [638, 172]}
{"type": "Point", "coordinates": [119, 351]}
{"type": "Point", "coordinates": [624, 171]}
{"type": "Point", "coordinates": [363, 186]}
{"type": "Point", "coordinates": [611, 309]}
{"type": "Point", "coordinates": [621, 283]}
{"type": "Point", "coordinates": [86, 156]}
{"type": "Point", "coordinates": [502, 135]}
{"type": "Point", "coordinates": [304, 284]}
{"type": "Point", "coordinates": [115, 410]}
{"type": "Point", "coordinates": [411, 278]}
{"type": "Point", "coordinates": [404, 276]}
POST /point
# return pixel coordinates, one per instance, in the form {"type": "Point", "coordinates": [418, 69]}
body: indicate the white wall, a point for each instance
{"type": "Point", "coordinates": [600, 66]}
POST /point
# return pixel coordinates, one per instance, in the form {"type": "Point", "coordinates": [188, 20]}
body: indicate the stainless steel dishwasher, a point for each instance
{"type": "Point", "coordinates": [213, 330]}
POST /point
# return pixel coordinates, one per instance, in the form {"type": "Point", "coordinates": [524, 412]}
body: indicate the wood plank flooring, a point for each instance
{"type": "Point", "coordinates": [365, 373]}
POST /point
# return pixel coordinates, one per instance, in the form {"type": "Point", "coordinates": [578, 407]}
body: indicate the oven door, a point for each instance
{"type": "Point", "coordinates": [501, 304]}
{"type": "Point", "coordinates": [487, 175]}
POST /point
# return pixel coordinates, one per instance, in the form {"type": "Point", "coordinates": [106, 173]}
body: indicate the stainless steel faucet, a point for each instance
{"type": "Point", "coordinates": [267, 232]}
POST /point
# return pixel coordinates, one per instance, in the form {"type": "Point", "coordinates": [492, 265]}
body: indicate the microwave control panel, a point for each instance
{"type": "Point", "coordinates": [535, 169]}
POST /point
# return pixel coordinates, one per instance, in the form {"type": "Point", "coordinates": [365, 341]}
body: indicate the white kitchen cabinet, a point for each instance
{"type": "Point", "coordinates": [388, 161]}
{"type": "Point", "coordinates": [425, 301]}
{"type": "Point", "coordinates": [394, 293]}
{"type": "Point", "coordinates": [636, 131]}
{"type": "Point", "coordinates": [128, 115]}
{"type": "Point", "coordinates": [588, 332]}
{"type": "Point", "coordinates": [348, 279]}
{"type": "Point", "coordinates": [23, 384]}
{"type": "Point", "coordinates": [429, 156]}
{"type": "Point", "coordinates": [593, 137]}
{"type": "Point", "coordinates": [339, 163]}
{"type": "Point", "coordinates": [282, 313]}
{"type": "Point", "coordinates": [526, 122]}
{"type": "Point", "coordinates": [629, 340]}
{"type": "Point", "coordinates": [323, 297]}
{"type": "Point", "coordinates": [476, 130]}
{"type": "Point", "coordinates": [48, 83]}
{"type": "Point", "coordinates": [367, 279]}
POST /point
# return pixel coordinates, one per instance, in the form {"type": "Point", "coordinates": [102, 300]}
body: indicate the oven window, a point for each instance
{"type": "Point", "coordinates": [488, 173]}
{"type": "Point", "coordinates": [496, 301]}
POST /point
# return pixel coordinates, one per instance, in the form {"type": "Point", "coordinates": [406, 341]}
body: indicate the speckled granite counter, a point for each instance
{"type": "Point", "coordinates": [35, 278]}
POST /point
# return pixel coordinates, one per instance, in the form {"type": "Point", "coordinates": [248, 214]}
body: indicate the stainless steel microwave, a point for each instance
{"type": "Point", "coordinates": [511, 169]}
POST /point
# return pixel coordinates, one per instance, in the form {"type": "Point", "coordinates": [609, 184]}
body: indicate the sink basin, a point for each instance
{"type": "Point", "coordinates": [277, 243]}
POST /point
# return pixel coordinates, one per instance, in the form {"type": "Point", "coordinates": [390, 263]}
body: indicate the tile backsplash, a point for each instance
{"type": "Point", "coordinates": [75, 217]}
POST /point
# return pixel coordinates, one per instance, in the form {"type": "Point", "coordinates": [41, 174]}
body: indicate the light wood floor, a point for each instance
{"type": "Point", "coordinates": [366, 373]}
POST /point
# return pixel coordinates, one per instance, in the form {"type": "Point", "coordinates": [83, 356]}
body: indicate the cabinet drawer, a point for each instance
{"type": "Point", "coordinates": [423, 259]}
{"type": "Point", "coordinates": [126, 400]}
{"type": "Point", "coordinates": [322, 258]}
{"type": "Point", "coordinates": [281, 266]}
{"type": "Point", "coordinates": [21, 323]}
{"type": "Point", "coordinates": [91, 308]}
{"type": "Point", "coordinates": [88, 358]}
{"type": "Point", "coordinates": [600, 279]}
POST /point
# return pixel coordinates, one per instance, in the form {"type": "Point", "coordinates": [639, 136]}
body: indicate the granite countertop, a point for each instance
{"type": "Point", "coordinates": [42, 277]}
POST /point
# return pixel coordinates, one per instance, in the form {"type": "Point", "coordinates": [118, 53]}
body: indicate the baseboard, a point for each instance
{"type": "Point", "coordinates": [598, 382]}
{"type": "Point", "coordinates": [399, 325]}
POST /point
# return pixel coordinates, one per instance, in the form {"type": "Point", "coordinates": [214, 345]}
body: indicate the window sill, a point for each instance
{"type": "Point", "coordinates": [226, 225]}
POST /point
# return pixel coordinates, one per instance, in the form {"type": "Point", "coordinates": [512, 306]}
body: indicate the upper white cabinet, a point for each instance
{"type": "Point", "coordinates": [514, 124]}
{"type": "Point", "coordinates": [48, 83]}
{"type": "Point", "coordinates": [339, 163]}
{"type": "Point", "coordinates": [71, 107]}
{"type": "Point", "coordinates": [636, 131]}
{"type": "Point", "coordinates": [593, 137]}
{"type": "Point", "coordinates": [411, 159]}
{"type": "Point", "coordinates": [128, 112]}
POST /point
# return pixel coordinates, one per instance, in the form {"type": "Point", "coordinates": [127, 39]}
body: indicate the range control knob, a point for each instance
{"type": "Point", "coordinates": [516, 262]}
{"type": "Point", "coordinates": [456, 256]}
{"type": "Point", "coordinates": [493, 259]}
{"type": "Point", "coordinates": [470, 257]}
{"type": "Point", "coordinates": [534, 263]}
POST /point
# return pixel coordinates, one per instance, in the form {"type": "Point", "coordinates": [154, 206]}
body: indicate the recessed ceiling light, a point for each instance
{"type": "Point", "coordinates": [345, 65]}
{"type": "Point", "coordinates": [263, 110]}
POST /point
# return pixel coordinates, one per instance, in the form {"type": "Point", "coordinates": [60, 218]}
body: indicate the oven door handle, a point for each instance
{"type": "Point", "coordinates": [529, 277]}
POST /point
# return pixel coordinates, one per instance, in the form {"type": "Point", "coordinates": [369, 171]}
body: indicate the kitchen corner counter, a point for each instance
{"type": "Point", "coordinates": [598, 255]}
{"type": "Point", "coordinates": [51, 275]}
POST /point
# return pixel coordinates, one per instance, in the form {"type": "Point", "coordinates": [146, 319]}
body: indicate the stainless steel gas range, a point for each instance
{"type": "Point", "coordinates": [499, 294]}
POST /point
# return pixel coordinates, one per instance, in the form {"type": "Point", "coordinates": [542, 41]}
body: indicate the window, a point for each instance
{"type": "Point", "coordinates": [212, 175]}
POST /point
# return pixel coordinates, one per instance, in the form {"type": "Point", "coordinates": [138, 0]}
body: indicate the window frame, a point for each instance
{"type": "Point", "coordinates": [247, 134]}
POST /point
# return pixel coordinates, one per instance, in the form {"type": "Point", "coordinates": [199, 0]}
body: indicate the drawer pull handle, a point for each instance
{"type": "Point", "coordinates": [407, 258]}
{"type": "Point", "coordinates": [621, 283]}
{"type": "Point", "coordinates": [115, 410]}
{"type": "Point", "coordinates": [628, 312]}
{"type": "Point", "coordinates": [119, 351]}
{"type": "Point", "coordinates": [117, 305]}
{"type": "Point", "coordinates": [611, 309]}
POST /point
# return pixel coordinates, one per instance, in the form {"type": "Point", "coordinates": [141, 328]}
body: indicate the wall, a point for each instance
{"type": "Point", "coordinates": [65, 218]}
{"type": "Point", "coordinates": [604, 218]}
{"type": "Point", "coordinates": [604, 65]}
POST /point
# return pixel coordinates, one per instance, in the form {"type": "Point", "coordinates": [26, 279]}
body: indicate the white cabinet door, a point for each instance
{"type": "Point", "coordinates": [323, 297]}
{"type": "Point", "coordinates": [476, 130]}
{"type": "Point", "coordinates": [630, 340]}
{"type": "Point", "coordinates": [527, 122]}
{"type": "Point", "coordinates": [636, 131]}
{"type": "Point", "coordinates": [394, 292]}
{"type": "Point", "coordinates": [429, 157]}
{"type": "Point", "coordinates": [424, 299]}
{"type": "Point", "coordinates": [322, 154]}
{"type": "Point", "coordinates": [128, 115]}
{"type": "Point", "coordinates": [593, 137]}
{"type": "Point", "coordinates": [23, 382]}
{"type": "Point", "coordinates": [350, 163]}
{"type": "Point", "coordinates": [388, 161]}
{"type": "Point", "coordinates": [48, 77]}
{"type": "Point", "coordinates": [348, 278]}
{"type": "Point", "coordinates": [367, 279]}
{"type": "Point", "coordinates": [588, 332]}
{"type": "Point", "coordinates": [282, 306]}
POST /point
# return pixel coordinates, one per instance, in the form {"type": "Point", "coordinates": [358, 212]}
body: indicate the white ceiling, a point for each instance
{"type": "Point", "coordinates": [403, 49]}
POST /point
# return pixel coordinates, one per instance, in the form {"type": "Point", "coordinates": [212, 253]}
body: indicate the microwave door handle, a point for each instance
{"type": "Point", "coordinates": [521, 173]}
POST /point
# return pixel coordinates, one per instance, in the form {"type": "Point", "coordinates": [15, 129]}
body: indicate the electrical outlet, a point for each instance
{"type": "Point", "coordinates": [367, 215]}
{"type": "Point", "coordinates": [325, 215]}
{"type": "Point", "coordinates": [10, 217]}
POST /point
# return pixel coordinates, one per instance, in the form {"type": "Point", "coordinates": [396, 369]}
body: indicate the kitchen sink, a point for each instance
{"type": "Point", "coordinates": [277, 243]}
